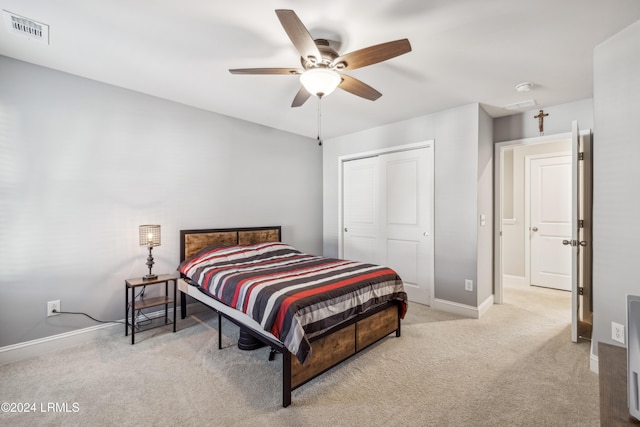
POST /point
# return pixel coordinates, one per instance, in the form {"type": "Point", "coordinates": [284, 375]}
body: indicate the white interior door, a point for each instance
{"type": "Point", "coordinates": [387, 216]}
{"type": "Point", "coordinates": [551, 222]}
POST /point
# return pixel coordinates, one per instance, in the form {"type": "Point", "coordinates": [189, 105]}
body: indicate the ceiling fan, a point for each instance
{"type": "Point", "coordinates": [322, 66]}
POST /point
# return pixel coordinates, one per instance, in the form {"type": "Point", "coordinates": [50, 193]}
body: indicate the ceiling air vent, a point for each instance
{"type": "Point", "coordinates": [25, 27]}
{"type": "Point", "coordinates": [520, 105]}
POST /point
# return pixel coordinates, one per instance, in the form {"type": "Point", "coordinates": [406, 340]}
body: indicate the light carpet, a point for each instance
{"type": "Point", "coordinates": [516, 366]}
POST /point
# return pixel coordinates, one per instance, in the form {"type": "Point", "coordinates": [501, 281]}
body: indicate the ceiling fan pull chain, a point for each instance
{"type": "Point", "coordinates": [319, 120]}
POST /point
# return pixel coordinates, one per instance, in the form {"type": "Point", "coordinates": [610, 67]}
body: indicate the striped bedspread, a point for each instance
{"type": "Point", "coordinates": [293, 295]}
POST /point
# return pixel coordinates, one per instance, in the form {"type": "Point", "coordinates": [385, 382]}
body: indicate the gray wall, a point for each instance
{"type": "Point", "coordinates": [520, 126]}
{"type": "Point", "coordinates": [456, 136]}
{"type": "Point", "coordinates": [616, 177]}
{"type": "Point", "coordinates": [82, 164]}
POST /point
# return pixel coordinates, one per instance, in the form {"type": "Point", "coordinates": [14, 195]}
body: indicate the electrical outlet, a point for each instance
{"type": "Point", "coordinates": [468, 285]}
{"type": "Point", "coordinates": [617, 332]}
{"type": "Point", "coordinates": [51, 306]}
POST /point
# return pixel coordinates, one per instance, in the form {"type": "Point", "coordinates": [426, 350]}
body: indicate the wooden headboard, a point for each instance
{"type": "Point", "coordinates": [192, 241]}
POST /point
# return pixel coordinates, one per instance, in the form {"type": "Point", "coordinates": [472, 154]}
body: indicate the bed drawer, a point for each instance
{"type": "Point", "coordinates": [373, 328]}
{"type": "Point", "coordinates": [327, 352]}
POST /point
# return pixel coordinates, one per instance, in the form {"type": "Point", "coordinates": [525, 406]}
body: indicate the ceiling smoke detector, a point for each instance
{"type": "Point", "coordinates": [25, 27]}
{"type": "Point", "coordinates": [524, 87]}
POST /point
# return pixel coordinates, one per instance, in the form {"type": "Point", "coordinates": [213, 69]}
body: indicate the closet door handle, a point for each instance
{"type": "Point", "coordinates": [345, 229]}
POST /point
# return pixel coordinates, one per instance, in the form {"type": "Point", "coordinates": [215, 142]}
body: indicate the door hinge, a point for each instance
{"type": "Point", "coordinates": [581, 223]}
{"type": "Point", "coordinates": [580, 291]}
{"type": "Point", "coordinates": [580, 156]}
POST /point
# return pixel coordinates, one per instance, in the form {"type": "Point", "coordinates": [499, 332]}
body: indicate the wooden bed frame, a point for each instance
{"type": "Point", "coordinates": [328, 350]}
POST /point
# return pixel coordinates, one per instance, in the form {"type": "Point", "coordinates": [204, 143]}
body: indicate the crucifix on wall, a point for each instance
{"type": "Point", "coordinates": [541, 115]}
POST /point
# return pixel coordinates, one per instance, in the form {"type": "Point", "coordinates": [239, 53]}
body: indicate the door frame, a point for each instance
{"type": "Point", "coordinates": [498, 288]}
{"type": "Point", "coordinates": [374, 153]}
{"type": "Point", "coordinates": [527, 207]}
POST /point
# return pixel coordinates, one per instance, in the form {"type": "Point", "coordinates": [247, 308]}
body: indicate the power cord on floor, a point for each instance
{"type": "Point", "coordinates": [85, 314]}
{"type": "Point", "coordinates": [137, 325]}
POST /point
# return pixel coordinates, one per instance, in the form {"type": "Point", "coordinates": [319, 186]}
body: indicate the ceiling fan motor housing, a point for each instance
{"type": "Point", "coordinates": [328, 56]}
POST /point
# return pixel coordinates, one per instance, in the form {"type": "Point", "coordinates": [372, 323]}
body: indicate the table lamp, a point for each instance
{"type": "Point", "coordinates": [150, 236]}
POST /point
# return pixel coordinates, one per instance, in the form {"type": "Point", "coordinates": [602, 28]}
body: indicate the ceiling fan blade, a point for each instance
{"type": "Point", "coordinates": [293, 71]}
{"type": "Point", "coordinates": [356, 87]}
{"type": "Point", "coordinates": [301, 97]}
{"type": "Point", "coordinates": [372, 54]}
{"type": "Point", "coordinates": [299, 35]}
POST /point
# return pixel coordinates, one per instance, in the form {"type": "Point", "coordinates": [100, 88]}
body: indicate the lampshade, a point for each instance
{"type": "Point", "coordinates": [149, 235]}
{"type": "Point", "coordinates": [320, 81]}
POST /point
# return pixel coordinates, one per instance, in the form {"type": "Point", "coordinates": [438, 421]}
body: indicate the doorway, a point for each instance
{"type": "Point", "coordinates": [547, 220]}
{"type": "Point", "coordinates": [516, 230]}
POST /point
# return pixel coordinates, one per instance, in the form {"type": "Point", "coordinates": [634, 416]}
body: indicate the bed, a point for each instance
{"type": "Point", "coordinates": [293, 302]}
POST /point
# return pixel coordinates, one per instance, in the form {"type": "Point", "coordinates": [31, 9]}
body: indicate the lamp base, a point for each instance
{"type": "Point", "coordinates": [149, 264]}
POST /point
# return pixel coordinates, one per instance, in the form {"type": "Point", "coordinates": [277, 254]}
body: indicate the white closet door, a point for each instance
{"type": "Point", "coordinates": [388, 216]}
{"type": "Point", "coordinates": [360, 210]}
{"type": "Point", "coordinates": [406, 219]}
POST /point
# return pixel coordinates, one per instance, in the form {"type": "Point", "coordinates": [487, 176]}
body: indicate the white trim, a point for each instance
{"type": "Point", "coordinates": [395, 149]}
{"type": "Point", "coordinates": [485, 306]}
{"type": "Point", "coordinates": [510, 280]}
{"type": "Point", "coordinates": [45, 345]}
{"type": "Point", "coordinates": [593, 359]}
{"type": "Point", "coordinates": [497, 223]}
{"type": "Point", "coordinates": [41, 346]}
{"type": "Point", "coordinates": [593, 363]}
{"type": "Point", "coordinates": [535, 140]}
{"type": "Point", "coordinates": [463, 309]}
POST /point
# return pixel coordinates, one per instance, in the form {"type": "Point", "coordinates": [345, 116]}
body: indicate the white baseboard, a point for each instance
{"type": "Point", "coordinates": [513, 280]}
{"type": "Point", "coordinates": [485, 306]}
{"type": "Point", "coordinates": [593, 359]}
{"type": "Point", "coordinates": [42, 346]}
{"type": "Point", "coordinates": [593, 363]}
{"type": "Point", "coordinates": [463, 309]}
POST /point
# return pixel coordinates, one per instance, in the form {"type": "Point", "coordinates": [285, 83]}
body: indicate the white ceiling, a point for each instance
{"type": "Point", "coordinates": [464, 51]}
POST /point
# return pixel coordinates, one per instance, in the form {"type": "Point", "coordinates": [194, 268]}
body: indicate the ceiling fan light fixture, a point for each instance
{"type": "Point", "coordinates": [320, 81]}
